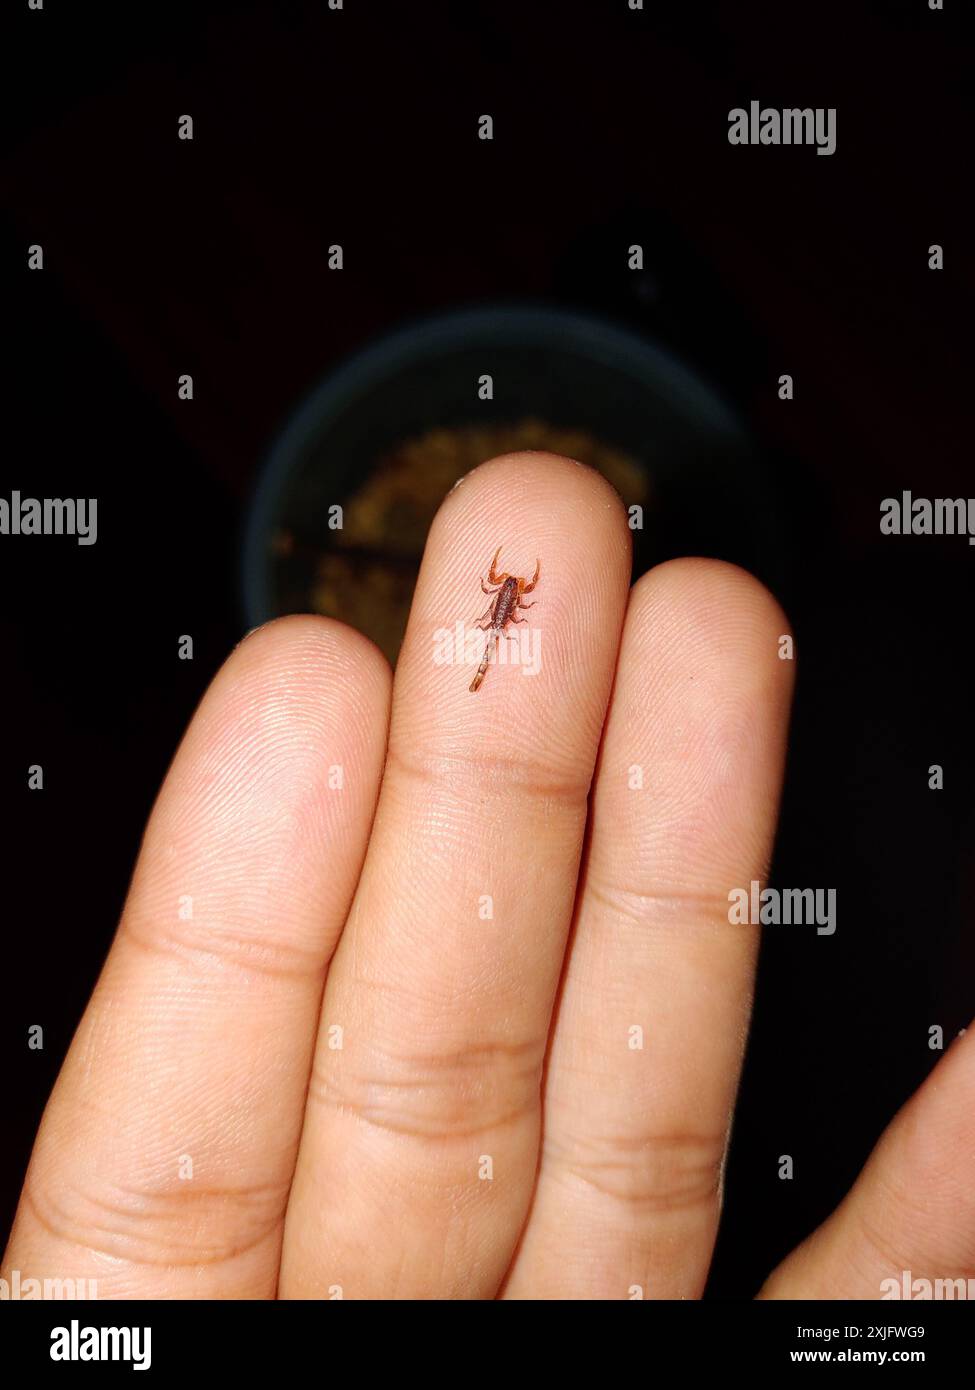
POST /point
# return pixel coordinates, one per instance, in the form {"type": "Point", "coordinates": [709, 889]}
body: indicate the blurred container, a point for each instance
{"type": "Point", "coordinates": [388, 432]}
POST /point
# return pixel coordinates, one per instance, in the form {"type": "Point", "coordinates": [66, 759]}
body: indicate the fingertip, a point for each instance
{"type": "Point", "coordinates": [285, 641]}
{"type": "Point", "coordinates": [537, 475]}
{"type": "Point", "coordinates": [716, 603]}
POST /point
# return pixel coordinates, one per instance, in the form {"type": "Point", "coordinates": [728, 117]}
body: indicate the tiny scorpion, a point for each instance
{"type": "Point", "coordinates": [502, 611]}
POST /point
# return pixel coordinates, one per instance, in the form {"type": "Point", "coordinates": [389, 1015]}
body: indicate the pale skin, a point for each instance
{"type": "Point", "coordinates": [362, 1169]}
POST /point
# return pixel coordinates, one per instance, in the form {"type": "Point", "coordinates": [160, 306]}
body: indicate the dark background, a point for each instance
{"type": "Point", "coordinates": [358, 127]}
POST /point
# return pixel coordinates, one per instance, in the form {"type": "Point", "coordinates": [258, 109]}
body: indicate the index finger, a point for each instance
{"type": "Point", "coordinates": [164, 1161]}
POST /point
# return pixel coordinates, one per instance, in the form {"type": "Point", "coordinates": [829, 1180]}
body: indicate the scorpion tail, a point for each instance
{"type": "Point", "coordinates": [489, 647]}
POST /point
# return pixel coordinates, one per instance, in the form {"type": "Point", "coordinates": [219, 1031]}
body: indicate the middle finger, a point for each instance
{"type": "Point", "coordinates": [421, 1129]}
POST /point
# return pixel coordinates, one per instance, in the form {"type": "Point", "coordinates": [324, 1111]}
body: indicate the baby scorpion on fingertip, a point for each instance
{"type": "Point", "coordinates": [509, 590]}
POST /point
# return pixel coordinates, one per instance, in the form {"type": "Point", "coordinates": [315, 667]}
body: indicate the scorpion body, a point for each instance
{"type": "Point", "coordinates": [503, 610]}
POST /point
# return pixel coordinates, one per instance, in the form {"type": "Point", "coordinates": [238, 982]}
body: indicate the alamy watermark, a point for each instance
{"type": "Point", "coordinates": [50, 516]}
{"type": "Point", "coordinates": [461, 645]}
{"type": "Point", "coordinates": [773, 907]}
{"type": "Point", "coordinates": [791, 126]}
{"type": "Point", "coordinates": [77, 1343]}
{"type": "Point", "coordinates": [921, 1290]}
{"type": "Point", "coordinates": [908, 515]}
{"type": "Point", "coordinates": [18, 1289]}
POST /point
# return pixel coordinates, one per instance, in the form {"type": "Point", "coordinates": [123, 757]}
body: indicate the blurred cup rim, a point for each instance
{"type": "Point", "coordinates": [514, 324]}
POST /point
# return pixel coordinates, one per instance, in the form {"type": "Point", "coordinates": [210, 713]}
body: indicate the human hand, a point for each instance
{"type": "Point", "coordinates": [489, 1125]}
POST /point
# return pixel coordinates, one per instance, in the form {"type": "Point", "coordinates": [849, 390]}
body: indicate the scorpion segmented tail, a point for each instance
{"type": "Point", "coordinates": [489, 646]}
